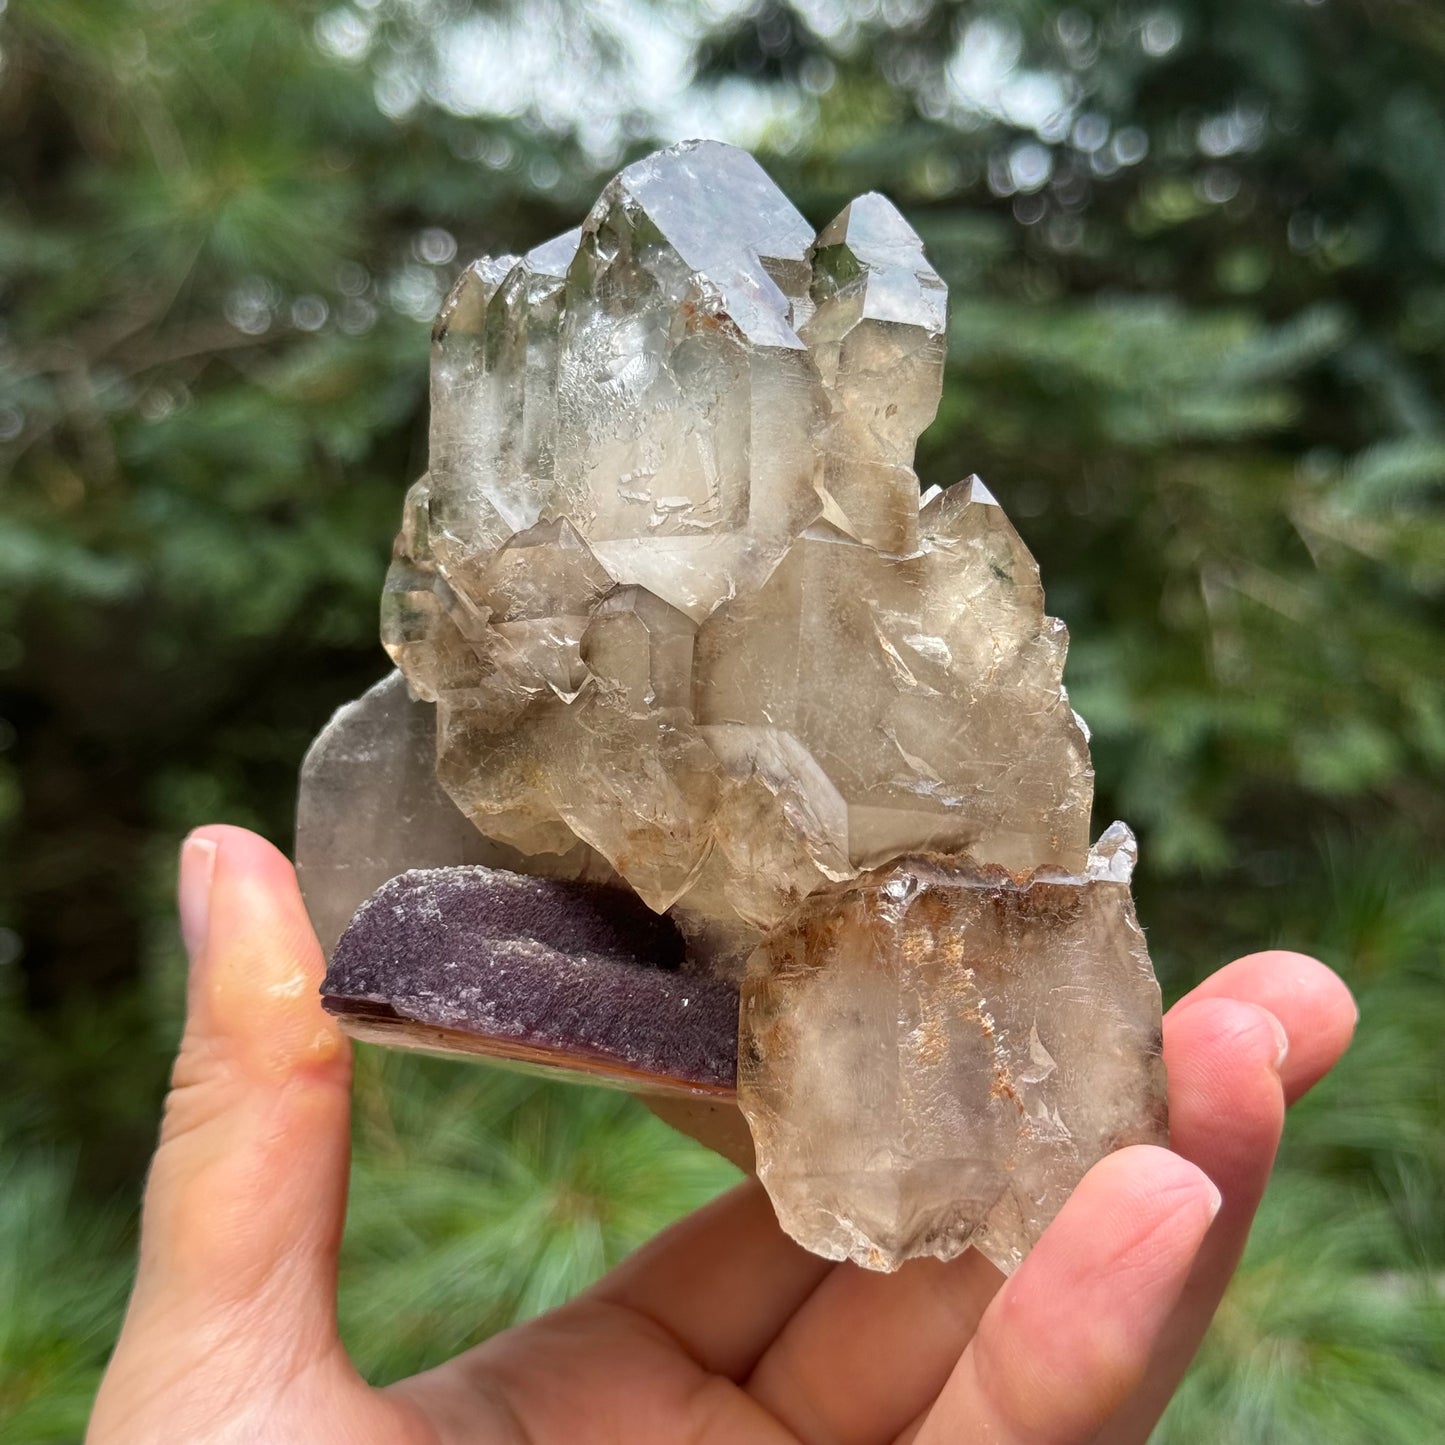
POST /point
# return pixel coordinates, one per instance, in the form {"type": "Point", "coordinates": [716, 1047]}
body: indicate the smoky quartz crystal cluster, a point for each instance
{"type": "Point", "coordinates": [720, 764]}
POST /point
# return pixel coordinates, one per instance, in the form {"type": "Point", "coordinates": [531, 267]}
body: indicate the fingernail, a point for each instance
{"type": "Point", "coordinates": [1281, 1041]}
{"type": "Point", "coordinates": [198, 866]}
{"type": "Point", "coordinates": [1216, 1199]}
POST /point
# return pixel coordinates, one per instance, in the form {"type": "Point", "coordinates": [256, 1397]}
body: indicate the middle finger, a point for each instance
{"type": "Point", "coordinates": [868, 1353]}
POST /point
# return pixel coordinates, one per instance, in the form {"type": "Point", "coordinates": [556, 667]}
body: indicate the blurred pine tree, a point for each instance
{"type": "Point", "coordinates": [1197, 254]}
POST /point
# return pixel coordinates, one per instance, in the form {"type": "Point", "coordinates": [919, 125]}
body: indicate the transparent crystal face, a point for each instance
{"type": "Point", "coordinates": [671, 612]}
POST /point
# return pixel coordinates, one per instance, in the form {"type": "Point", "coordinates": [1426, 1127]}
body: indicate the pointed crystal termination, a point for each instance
{"type": "Point", "coordinates": [669, 613]}
{"type": "Point", "coordinates": [877, 336]}
{"type": "Point", "coordinates": [932, 1056]}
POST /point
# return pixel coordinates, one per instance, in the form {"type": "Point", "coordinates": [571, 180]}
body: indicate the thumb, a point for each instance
{"type": "Point", "coordinates": [247, 1193]}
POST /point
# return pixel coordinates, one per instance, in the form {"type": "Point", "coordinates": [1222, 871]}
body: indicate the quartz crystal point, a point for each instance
{"type": "Point", "coordinates": [932, 1055]}
{"type": "Point", "coordinates": [671, 508]}
{"type": "Point", "coordinates": [669, 614]}
{"type": "Point", "coordinates": [370, 807]}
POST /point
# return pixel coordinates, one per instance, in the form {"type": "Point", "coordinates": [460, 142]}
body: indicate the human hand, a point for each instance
{"type": "Point", "coordinates": [721, 1331]}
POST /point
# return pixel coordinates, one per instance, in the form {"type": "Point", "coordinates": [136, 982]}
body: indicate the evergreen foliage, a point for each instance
{"type": "Point", "coordinates": [1197, 257]}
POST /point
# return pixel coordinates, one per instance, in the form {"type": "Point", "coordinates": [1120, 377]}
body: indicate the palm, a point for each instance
{"type": "Point", "coordinates": [720, 1332]}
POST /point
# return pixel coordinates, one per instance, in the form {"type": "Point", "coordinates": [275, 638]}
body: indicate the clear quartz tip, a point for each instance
{"type": "Point", "coordinates": [1112, 858]}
